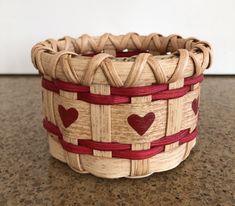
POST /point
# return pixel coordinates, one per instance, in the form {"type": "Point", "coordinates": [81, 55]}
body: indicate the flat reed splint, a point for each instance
{"type": "Point", "coordinates": [121, 106]}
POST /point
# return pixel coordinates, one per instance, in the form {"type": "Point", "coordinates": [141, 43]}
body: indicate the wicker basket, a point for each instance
{"type": "Point", "coordinates": [121, 106]}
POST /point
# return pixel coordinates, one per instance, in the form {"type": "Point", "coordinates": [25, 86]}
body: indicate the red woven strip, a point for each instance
{"type": "Point", "coordinates": [138, 155]}
{"type": "Point", "coordinates": [170, 94]}
{"type": "Point", "coordinates": [56, 85]}
{"type": "Point", "coordinates": [49, 85]}
{"type": "Point", "coordinates": [111, 146]}
{"type": "Point", "coordinates": [113, 99]}
{"type": "Point", "coordinates": [193, 80]}
{"type": "Point", "coordinates": [170, 139]}
{"type": "Point", "coordinates": [50, 127]}
{"type": "Point", "coordinates": [189, 137]}
{"type": "Point", "coordinates": [138, 91]}
{"type": "Point", "coordinates": [120, 150]}
{"type": "Point", "coordinates": [183, 136]}
{"type": "Point", "coordinates": [102, 99]}
{"type": "Point", "coordinates": [75, 148]}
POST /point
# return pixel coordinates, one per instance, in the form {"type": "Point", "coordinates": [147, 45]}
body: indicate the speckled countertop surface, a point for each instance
{"type": "Point", "coordinates": [30, 176]}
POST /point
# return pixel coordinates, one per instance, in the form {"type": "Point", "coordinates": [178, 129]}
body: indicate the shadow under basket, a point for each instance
{"type": "Point", "coordinates": [121, 106]}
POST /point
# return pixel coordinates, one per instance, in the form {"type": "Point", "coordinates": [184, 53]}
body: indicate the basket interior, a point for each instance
{"type": "Point", "coordinates": [90, 46]}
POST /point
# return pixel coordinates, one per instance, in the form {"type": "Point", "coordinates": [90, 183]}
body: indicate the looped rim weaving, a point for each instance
{"type": "Point", "coordinates": [78, 60]}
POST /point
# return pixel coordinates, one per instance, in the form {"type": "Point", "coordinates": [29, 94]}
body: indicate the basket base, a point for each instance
{"type": "Point", "coordinates": [114, 167]}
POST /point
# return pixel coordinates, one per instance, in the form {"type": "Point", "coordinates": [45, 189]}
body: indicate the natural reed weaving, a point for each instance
{"type": "Point", "coordinates": [121, 106]}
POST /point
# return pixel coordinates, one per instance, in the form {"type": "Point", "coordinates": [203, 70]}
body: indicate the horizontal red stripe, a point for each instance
{"type": "Point", "coordinates": [112, 99]}
{"type": "Point", "coordinates": [171, 94]}
{"type": "Point", "coordinates": [75, 148]}
{"type": "Point", "coordinates": [111, 146]}
{"type": "Point", "coordinates": [49, 85]}
{"type": "Point", "coordinates": [120, 150]}
{"type": "Point", "coordinates": [139, 91]}
{"type": "Point", "coordinates": [189, 137]}
{"type": "Point", "coordinates": [102, 99]}
{"type": "Point", "coordinates": [50, 127]}
{"type": "Point", "coordinates": [193, 80]}
{"type": "Point", "coordinates": [121, 95]}
{"type": "Point", "coordinates": [170, 139]}
{"type": "Point", "coordinates": [138, 155]}
{"type": "Point", "coordinates": [57, 85]}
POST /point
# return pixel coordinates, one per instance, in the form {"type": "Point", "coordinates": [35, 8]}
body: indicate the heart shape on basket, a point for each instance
{"type": "Point", "coordinates": [68, 116]}
{"type": "Point", "coordinates": [195, 106]}
{"type": "Point", "coordinates": [141, 124]}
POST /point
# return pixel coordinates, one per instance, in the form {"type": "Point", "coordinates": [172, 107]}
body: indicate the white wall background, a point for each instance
{"type": "Point", "coordinates": [26, 22]}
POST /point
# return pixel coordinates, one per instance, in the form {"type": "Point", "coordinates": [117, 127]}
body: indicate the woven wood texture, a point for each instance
{"type": "Point", "coordinates": [121, 106]}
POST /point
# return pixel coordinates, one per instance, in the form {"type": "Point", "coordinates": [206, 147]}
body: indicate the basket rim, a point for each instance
{"type": "Point", "coordinates": [187, 57]}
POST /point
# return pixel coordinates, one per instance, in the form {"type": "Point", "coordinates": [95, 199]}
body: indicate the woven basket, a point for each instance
{"type": "Point", "coordinates": [121, 106]}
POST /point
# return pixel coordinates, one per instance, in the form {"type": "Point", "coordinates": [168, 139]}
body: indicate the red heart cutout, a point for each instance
{"type": "Point", "coordinates": [68, 116]}
{"type": "Point", "coordinates": [141, 124]}
{"type": "Point", "coordinates": [195, 106]}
